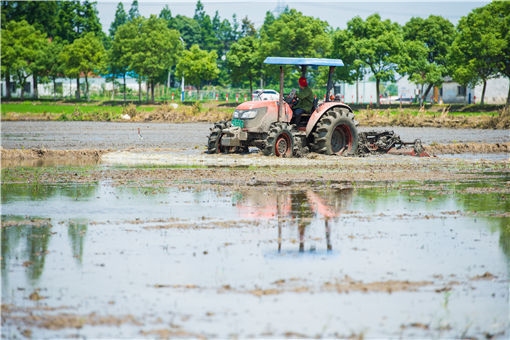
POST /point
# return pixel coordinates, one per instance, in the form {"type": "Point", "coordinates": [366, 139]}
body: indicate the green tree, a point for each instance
{"type": "Point", "coordinates": [120, 19]}
{"type": "Point", "coordinates": [500, 11]}
{"type": "Point", "coordinates": [198, 66]}
{"type": "Point", "coordinates": [378, 45]}
{"type": "Point", "coordinates": [292, 35]}
{"type": "Point", "coordinates": [22, 48]}
{"type": "Point", "coordinates": [84, 56]}
{"type": "Point", "coordinates": [148, 47]}
{"type": "Point", "coordinates": [247, 27]}
{"type": "Point", "coordinates": [427, 43]}
{"type": "Point", "coordinates": [40, 14]}
{"type": "Point", "coordinates": [343, 47]}
{"type": "Point", "coordinates": [166, 14]}
{"type": "Point", "coordinates": [477, 50]}
{"type": "Point", "coordinates": [75, 19]}
{"type": "Point", "coordinates": [243, 60]}
{"type": "Point", "coordinates": [119, 55]}
{"type": "Point", "coordinates": [208, 39]}
{"type": "Point", "coordinates": [55, 68]}
{"type": "Point", "coordinates": [187, 27]}
{"type": "Point", "coordinates": [414, 63]}
{"type": "Point", "coordinates": [133, 11]}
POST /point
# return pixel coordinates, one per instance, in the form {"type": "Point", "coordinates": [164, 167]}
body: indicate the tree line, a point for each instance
{"type": "Point", "coordinates": [47, 40]}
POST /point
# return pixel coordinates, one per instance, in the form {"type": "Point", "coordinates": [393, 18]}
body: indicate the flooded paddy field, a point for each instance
{"type": "Point", "coordinates": [372, 247]}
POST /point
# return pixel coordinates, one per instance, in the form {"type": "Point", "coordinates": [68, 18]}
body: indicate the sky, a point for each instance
{"type": "Point", "coordinates": [336, 12]}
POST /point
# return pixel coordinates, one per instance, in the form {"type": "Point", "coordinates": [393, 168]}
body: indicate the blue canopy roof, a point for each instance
{"type": "Point", "coordinates": [303, 61]}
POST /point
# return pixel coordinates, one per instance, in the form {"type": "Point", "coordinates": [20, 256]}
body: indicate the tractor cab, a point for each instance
{"type": "Point", "coordinates": [269, 125]}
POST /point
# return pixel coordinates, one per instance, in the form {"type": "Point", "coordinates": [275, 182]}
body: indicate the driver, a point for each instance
{"type": "Point", "coordinates": [304, 100]}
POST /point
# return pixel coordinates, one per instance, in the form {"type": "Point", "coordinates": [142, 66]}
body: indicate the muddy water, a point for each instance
{"type": "Point", "coordinates": [366, 259]}
{"type": "Point", "coordinates": [188, 136]}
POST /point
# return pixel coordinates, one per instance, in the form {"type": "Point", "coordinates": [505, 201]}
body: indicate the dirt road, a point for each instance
{"type": "Point", "coordinates": [186, 136]}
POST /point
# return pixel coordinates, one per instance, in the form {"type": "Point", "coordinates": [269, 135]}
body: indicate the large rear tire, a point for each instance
{"type": "Point", "coordinates": [279, 142]}
{"type": "Point", "coordinates": [336, 133]}
{"type": "Point", "coordinates": [214, 142]}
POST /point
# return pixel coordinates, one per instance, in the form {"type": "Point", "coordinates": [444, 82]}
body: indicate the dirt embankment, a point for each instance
{"type": "Point", "coordinates": [407, 118]}
{"type": "Point", "coordinates": [459, 148]}
{"type": "Point", "coordinates": [37, 157]}
{"type": "Point", "coordinates": [428, 119]}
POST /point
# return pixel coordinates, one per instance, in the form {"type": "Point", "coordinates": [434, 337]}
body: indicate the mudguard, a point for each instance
{"type": "Point", "coordinates": [321, 109]}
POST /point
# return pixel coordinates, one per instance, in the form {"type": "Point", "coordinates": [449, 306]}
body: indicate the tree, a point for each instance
{"type": "Point", "coordinates": [414, 63]}
{"type": "Point", "coordinates": [120, 19]}
{"type": "Point", "coordinates": [166, 14]}
{"type": "Point", "coordinates": [40, 14]}
{"type": "Point", "coordinates": [207, 37]}
{"type": "Point", "coordinates": [148, 47]}
{"type": "Point", "coordinates": [22, 47]}
{"type": "Point", "coordinates": [119, 56]}
{"type": "Point", "coordinates": [243, 61]}
{"type": "Point", "coordinates": [343, 47]}
{"type": "Point", "coordinates": [432, 37]}
{"type": "Point", "coordinates": [378, 45]}
{"type": "Point", "coordinates": [293, 35]}
{"type": "Point", "coordinates": [247, 27]}
{"type": "Point", "coordinates": [477, 49]}
{"type": "Point", "coordinates": [133, 11]}
{"type": "Point", "coordinates": [187, 27]}
{"type": "Point", "coordinates": [500, 11]}
{"type": "Point", "coordinates": [54, 67]}
{"type": "Point", "coordinates": [198, 66]}
{"type": "Point", "coordinates": [75, 19]}
{"type": "Point", "coordinates": [85, 55]}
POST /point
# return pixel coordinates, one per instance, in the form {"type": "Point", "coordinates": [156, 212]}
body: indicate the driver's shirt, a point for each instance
{"type": "Point", "coordinates": [305, 99]}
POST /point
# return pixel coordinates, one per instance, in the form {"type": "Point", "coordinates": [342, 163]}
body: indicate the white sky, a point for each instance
{"type": "Point", "coordinates": [336, 12]}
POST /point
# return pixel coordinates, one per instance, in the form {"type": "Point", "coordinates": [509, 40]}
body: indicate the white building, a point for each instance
{"type": "Point", "coordinates": [66, 87]}
{"type": "Point", "coordinates": [451, 92]}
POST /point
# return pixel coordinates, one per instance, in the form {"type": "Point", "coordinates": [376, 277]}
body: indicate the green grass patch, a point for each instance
{"type": "Point", "coordinates": [42, 108]}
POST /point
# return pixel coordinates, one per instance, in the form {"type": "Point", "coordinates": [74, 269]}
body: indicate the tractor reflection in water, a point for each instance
{"type": "Point", "coordinates": [297, 208]}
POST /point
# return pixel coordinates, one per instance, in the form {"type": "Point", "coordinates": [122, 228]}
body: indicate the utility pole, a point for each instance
{"type": "Point", "coordinates": [182, 82]}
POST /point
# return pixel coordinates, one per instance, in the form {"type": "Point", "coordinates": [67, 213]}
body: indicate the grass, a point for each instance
{"type": "Point", "coordinates": [38, 108]}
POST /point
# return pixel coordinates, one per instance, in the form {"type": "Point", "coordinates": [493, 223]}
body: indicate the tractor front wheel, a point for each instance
{"type": "Point", "coordinates": [214, 142]}
{"type": "Point", "coordinates": [279, 142]}
{"type": "Point", "coordinates": [336, 133]}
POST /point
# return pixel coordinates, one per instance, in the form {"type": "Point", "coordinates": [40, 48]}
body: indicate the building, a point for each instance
{"type": "Point", "coordinates": [453, 93]}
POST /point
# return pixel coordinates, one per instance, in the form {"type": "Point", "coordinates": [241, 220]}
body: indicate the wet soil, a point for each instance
{"type": "Point", "coordinates": [166, 241]}
{"type": "Point", "coordinates": [256, 170]}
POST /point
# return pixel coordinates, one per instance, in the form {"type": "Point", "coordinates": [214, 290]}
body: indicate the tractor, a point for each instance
{"type": "Point", "coordinates": [329, 128]}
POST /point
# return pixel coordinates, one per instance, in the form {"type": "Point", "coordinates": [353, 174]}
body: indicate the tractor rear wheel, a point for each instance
{"type": "Point", "coordinates": [214, 142]}
{"type": "Point", "coordinates": [336, 133]}
{"type": "Point", "coordinates": [279, 141]}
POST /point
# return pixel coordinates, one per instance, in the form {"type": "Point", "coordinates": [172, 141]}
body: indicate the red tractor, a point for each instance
{"type": "Point", "coordinates": [329, 128]}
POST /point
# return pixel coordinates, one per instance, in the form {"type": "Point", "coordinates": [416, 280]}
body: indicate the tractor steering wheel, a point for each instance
{"type": "Point", "coordinates": [291, 98]}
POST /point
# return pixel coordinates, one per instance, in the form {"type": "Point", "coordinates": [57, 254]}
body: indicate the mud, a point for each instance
{"type": "Point", "coordinates": [459, 148]}
{"type": "Point", "coordinates": [186, 137]}
{"type": "Point", "coordinates": [44, 157]}
{"type": "Point", "coordinates": [260, 171]}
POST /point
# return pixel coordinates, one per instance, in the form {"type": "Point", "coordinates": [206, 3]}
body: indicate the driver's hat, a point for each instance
{"type": "Point", "coordinates": [303, 82]}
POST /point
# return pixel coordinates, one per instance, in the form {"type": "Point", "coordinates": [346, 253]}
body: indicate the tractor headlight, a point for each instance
{"type": "Point", "coordinates": [249, 114]}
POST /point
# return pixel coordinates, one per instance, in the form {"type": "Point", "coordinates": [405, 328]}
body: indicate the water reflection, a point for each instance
{"type": "Point", "coordinates": [308, 214]}
{"type": "Point", "coordinates": [25, 242]}
{"type": "Point", "coordinates": [299, 208]}
{"type": "Point", "coordinates": [36, 234]}
{"type": "Point", "coordinates": [76, 231]}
